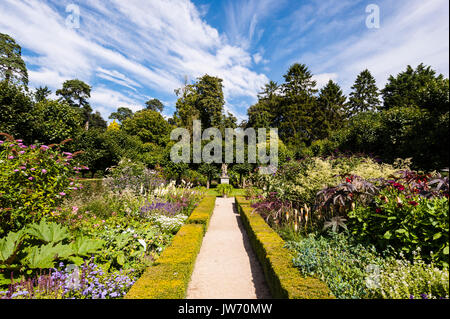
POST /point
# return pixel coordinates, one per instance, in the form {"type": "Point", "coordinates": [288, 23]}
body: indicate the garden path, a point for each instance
{"type": "Point", "coordinates": [226, 267]}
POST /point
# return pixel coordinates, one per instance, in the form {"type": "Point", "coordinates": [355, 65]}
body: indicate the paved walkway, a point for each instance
{"type": "Point", "coordinates": [226, 267]}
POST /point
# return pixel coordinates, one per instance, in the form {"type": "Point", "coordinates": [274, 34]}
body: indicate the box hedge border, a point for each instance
{"type": "Point", "coordinates": [169, 276]}
{"type": "Point", "coordinates": [284, 280]}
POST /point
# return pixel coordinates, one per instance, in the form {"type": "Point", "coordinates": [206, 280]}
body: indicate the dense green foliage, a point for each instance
{"type": "Point", "coordinates": [352, 270]}
{"type": "Point", "coordinates": [364, 95]}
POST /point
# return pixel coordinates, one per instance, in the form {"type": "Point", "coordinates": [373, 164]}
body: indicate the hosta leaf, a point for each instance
{"type": "Point", "coordinates": [48, 232]}
{"type": "Point", "coordinates": [9, 245]}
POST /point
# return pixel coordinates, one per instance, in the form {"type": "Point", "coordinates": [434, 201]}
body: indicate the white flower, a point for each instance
{"type": "Point", "coordinates": [143, 243]}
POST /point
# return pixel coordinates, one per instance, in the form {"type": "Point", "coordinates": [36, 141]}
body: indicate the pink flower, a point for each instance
{"type": "Point", "coordinates": [44, 171]}
{"type": "Point", "coordinates": [19, 141]}
{"type": "Point", "coordinates": [22, 167]}
{"type": "Point", "coordinates": [33, 147]}
{"type": "Point", "coordinates": [16, 170]}
{"type": "Point", "coordinates": [11, 157]}
{"type": "Point", "coordinates": [32, 169]}
{"type": "Point", "coordinates": [62, 194]}
{"type": "Point", "coordinates": [44, 147]}
{"type": "Point", "coordinates": [22, 152]}
{"type": "Point", "coordinates": [30, 178]}
{"type": "Point", "coordinates": [1, 142]}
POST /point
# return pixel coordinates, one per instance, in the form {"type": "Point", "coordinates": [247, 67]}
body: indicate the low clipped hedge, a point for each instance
{"type": "Point", "coordinates": [203, 212]}
{"type": "Point", "coordinates": [169, 276]}
{"type": "Point", "coordinates": [284, 280]}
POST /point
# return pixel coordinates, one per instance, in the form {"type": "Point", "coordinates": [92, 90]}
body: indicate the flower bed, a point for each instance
{"type": "Point", "coordinates": [169, 277]}
{"type": "Point", "coordinates": [394, 221]}
{"type": "Point", "coordinates": [58, 232]}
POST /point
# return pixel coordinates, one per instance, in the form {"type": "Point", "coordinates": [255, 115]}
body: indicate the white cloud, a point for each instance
{"type": "Point", "coordinates": [107, 100]}
{"type": "Point", "coordinates": [411, 33]}
{"type": "Point", "coordinates": [137, 44]}
{"type": "Point", "coordinates": [324, 78]}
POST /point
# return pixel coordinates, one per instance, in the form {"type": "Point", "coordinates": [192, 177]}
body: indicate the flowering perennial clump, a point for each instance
{"type": "Point", "coordinates": [86, 282]}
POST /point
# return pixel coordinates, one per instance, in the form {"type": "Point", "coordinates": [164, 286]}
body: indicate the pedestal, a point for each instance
{"type": "Point", "coordinates": [224, 180]}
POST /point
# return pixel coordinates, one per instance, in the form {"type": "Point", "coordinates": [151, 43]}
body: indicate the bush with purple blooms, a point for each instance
{"type": "Point", "coordinates": [34, 180]}
{"type": "Point", "coordinates": [89, 281]}
{"type": "Point", "coordinates": [134, 176]}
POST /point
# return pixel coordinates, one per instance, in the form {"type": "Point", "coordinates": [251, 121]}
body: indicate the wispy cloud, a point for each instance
{"type": "Point", "coordinates": [155, 43]}
{"type": "Point", "coordinates": [411, 32]}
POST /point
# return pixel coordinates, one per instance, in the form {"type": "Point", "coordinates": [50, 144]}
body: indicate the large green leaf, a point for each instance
{"type": "Point", "coordinates": [9, 245]}
{"type": "Point", "coordinates": [84, 246]}
{"type": "Point", "coordinates": [48, 232]}
{"type": "Point", "coordinates": [46, 255]}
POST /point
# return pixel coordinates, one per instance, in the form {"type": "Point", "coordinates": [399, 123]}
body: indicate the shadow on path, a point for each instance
{"type": "Point", "coordinates": [261, 288]}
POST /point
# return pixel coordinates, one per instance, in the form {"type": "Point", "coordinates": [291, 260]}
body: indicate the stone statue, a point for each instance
{"type": "Point", "coordinates": [224, 170]}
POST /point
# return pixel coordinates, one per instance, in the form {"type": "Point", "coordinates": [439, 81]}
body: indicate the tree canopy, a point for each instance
{"type": "Point", "coordinates": [364, 95]}
{"type": "Point", "coordinates": [12, 66]}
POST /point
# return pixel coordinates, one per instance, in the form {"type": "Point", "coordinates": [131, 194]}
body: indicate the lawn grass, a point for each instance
{"type": "Point", "coordinates": [235, 192]}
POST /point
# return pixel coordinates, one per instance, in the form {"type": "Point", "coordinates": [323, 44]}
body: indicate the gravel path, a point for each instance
{"type": "Point", "coordinates": [226, 267]}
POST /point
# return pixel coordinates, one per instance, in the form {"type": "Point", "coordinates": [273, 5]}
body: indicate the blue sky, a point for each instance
{"type": "Point", "coordinates": [130, 51]}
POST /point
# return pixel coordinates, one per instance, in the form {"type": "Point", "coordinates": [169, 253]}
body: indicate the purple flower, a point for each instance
{"type": "Point", "coordinates": [1, 142]}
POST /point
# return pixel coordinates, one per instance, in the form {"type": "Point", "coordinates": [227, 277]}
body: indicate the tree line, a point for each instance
{"type": "Point", "coordinates": [409, 117]}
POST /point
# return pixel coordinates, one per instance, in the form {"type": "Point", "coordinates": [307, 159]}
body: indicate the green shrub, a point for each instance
{"type": "Point", "coordinates": [34, 180]}
{"type": "Point", "coordinates": [338, 263]}
{"type": "Point", "coordinates": [195, 178]}
{"type": "Point", "coordinates": [224, 189]}
{"type": "Point", "coordinates": [405, 132]}
{"type": "Point", "coordinates": [299, 181]}
{"type": "Point", "coordinates": [353, 270]}
{"type": "Point", "coordinates": [405, 222]}
{"type": "Point", "coordinates": [403, 279]}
